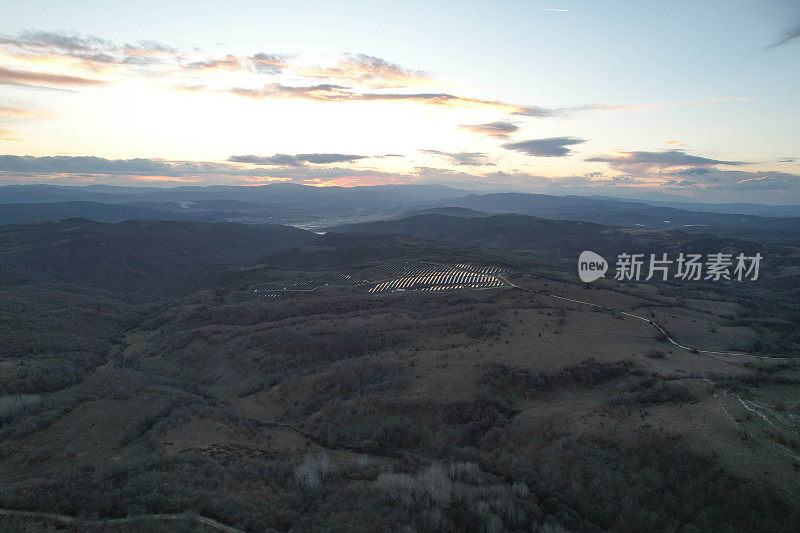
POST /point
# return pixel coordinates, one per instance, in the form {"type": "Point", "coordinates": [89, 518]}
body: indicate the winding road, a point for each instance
{"type": "Point", "coordinates": [649, 321]}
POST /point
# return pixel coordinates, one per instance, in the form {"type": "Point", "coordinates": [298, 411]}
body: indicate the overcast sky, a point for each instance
{"type": "Point", "coordinates": [694, 99]}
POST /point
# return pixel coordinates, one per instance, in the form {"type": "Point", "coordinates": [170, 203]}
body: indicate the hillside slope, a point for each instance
{"type": "Point", "coordinates": [621, 213]}
{"type": "Point", "coordinates": [520, 232]}
{"type": "Point", "coordinates": [128, 256]}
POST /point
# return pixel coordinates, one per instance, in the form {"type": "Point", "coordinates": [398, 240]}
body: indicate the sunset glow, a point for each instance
{"type": "Point", "coordinates": [532, 104]}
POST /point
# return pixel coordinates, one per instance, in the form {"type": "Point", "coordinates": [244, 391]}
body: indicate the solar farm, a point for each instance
{"type": "Point", "coordinates": [251, 295]}
{"type": "Point", "coordinates": [309, 284]}
{"type": "Point", "coordinates": [394, 277]}
{"type": "Point", "coordinates": [424, 277]}
{"type": "Point", "coordinates": [271, 290]}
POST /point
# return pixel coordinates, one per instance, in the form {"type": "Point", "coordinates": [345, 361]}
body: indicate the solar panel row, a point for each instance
{"type": "Point", "coordinates": [428, 281]}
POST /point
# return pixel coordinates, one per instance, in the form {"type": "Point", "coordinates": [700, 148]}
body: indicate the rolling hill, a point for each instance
{"type": "Point", "coordinates": [100, 212]}
{"type": "Point", "coordinates": [626, 213]}
{"type": "Point", "coordinates": [521, 232]}
{"type": "Point", "coordinates": [127, 256]}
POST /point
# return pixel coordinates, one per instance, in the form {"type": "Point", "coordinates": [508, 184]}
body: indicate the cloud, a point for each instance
{"type": "Point", "coordinates": [678, 169]}
{"type": "Point", "coordinates": [639, 162]}
{"type": "Point", "coordinates": [18, 112]}
{"type": "Point", "coordinates": [354, 72]}
{"type": "Point", "coordinates": [331, 92]}
{"type": "Point", "coordinates": [788, 36]}
{"type": "Point", "coordinates": [714, 178]}
{"type": "Point", "coordinates": [706, 183]}
{"type": "Point", "coordinates": [273, 160]}
{"type": "Point", "coordinates": [32, 165]}
{"type": "Point", "coordinates": [675, 143]}
{"type": "Point", "coordinates": [348, 77]}
{"type": "Point", "coordinates": [550, 147]}
{"type": "Point", "coordinates": [295, 160]}
{"type": "Point", "coordinates": [191, 88]}
{"type": "Point", "coordinates": [268, 63]}
{"type": "Point", "coordinates": [323, 159]}
{"type": "Point", "coordinates": [65, 42]}
{"type": "Point", "coordinates": [25, 77]}
{"type": "Point", "coordinates": [498, 130]}
{"type": "Point", "coordinates": [363, 69]}
{"type": "Point", "coordinates": [229, 62]}
{"type": "Point", "coordinates": [461, 158]}
{"type": "Point", "coordinates": [87, 51]}
{"type": "Point", "coordinates": [764, 182]}
{"type": "Point", "coordinates": [653, 107]}
{"type": "Point", "coordinates": [680, 183]}
{"type": "Point", "coordinates": [259, 63]}
{"type": "Point", "coordinates": [692, 171]}
{"type": "Point", "coordinates": [100, 165]}
{"type": "Point", "coordinates": [326, 92]}
{"type": "Point", "coordinates": [97, 54]}
{"type": "Point", "coordinates": [89, 169]}
{"type": "Point", "coordinates": [8, 135]}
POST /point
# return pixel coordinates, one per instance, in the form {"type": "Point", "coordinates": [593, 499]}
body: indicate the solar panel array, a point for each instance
{"type": "Point", "coordinates": [481, 269]}
{"type": "Point", "coordinates": [307, 284]}
{"type": "Point", "coordinates": [394, 270]}
{"type": "Point", "coordinates": [251, 295]}
{"type": "Point", "coordinates": [432, 278]}
{"type": "Point", "coordinates": [408, 276]}
{"type": "Point", "coordinates": [271, 290]}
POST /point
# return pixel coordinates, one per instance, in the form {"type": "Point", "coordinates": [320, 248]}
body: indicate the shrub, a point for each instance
{"type": "Point", "coordinates": [500, 377]}
{"type": "Point", "coordinates": [13, 405]}
{"type": "Point", "coordinates": [661, 393]}
{"type": "Point", "coordinates": [590, 372]}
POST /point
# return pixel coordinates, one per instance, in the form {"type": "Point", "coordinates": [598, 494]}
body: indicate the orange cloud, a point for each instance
{"type": "Point", "coordinates": [17, 112]}
{"type": "Point", "coordinates": [368, 70]}
{"type": "Point", "coordinates": [8, 135]}
{"type": "Point", "coordinates": [338, 93]}
{"type": "Point", "coordinates": [25, 77]}
{"type": "Point", "coordinates": [263, 63]}
{"type": "Point", "coordinates": [498, 130]}
{"type": "Point", "coordinates": [88, 52]}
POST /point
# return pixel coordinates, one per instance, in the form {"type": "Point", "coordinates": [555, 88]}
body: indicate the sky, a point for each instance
{"type": "Point", "coordinates": [697, 100]}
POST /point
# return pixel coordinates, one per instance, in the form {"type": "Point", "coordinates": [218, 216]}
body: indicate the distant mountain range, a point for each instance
{"type": "Point", "coordinates": [623, 213]}
{"type": "Point", "coordinates": [317, 207]}
{"type": "Point", "coordinates": [735, 208]}
{"type": "Point", "coordinates": [525, 232]}
{"type": "Point", "coordinates": [276, 194]}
